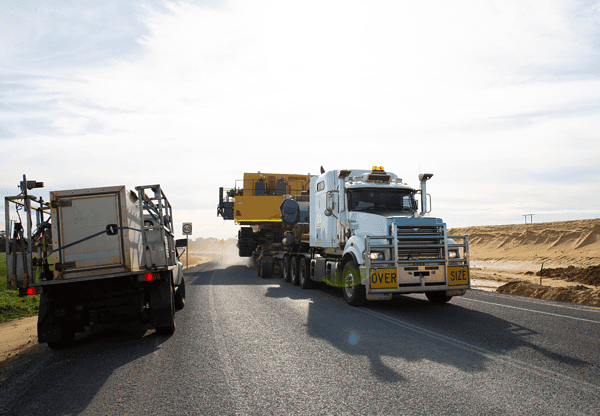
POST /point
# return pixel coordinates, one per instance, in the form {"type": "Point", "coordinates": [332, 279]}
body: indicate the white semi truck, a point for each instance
{"type": "Point", "coordinates": [95, 256]}
{"type": "Point", "coordinates": [361, 230]}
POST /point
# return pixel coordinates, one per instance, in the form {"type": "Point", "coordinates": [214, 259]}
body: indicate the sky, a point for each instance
{"type": "Point", "coordinates": [500, 100]}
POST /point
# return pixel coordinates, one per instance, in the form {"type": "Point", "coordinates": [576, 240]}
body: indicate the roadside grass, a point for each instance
{"type": "Point", "coordinates": [11, 305]}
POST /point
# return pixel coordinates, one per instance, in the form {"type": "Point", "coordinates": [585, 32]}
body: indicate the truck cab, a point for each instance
{"type": "Point", "coordinates": [372, 219]}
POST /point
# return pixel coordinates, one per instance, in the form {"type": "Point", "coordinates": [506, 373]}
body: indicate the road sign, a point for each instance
{"type": "Point", "coordinates": [187, 228]}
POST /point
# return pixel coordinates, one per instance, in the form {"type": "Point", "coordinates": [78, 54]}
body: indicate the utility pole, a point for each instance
{"type": "Point", "coordinates": [530, 217]}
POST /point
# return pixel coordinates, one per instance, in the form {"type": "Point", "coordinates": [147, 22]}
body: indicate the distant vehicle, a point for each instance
{"type": "Point", "coordinates": [114, 258]}
{"type": "Point", "coordinates": [356, 229]}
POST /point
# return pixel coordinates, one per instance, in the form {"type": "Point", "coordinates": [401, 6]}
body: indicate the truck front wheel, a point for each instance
{"type": "Point", "coordinates": [180, 295]}
{"type": "Point", "coordinates": [354, 291]}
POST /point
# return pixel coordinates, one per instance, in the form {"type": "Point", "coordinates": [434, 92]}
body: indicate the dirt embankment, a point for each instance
{"type": "Point", "coordinates": [555, 260]}
{"type": "Point", "coordinates": [556, 244]}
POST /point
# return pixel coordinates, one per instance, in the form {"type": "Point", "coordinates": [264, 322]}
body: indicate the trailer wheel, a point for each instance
{"type": "Point", "coordinates": [169, 329]}
{"type": "Point", "coordinates": [180, 295]}
{"type": "Point", "coordinates": [304, 274]}
{"type": "Point", "coordinates": [245, 242]}
{"type": "Point", "coordinates": [354, 293]}
{"type": "Point", "coordinates": [286, 267]}
{"type": "Point", "coordinates": [67, 339]}
{"type": "Point", "coordinates": [294, 270]}
{"type": "Point", "coordinates": [266, 269]}
{"type": "Point", "coordinates": [437, 297]}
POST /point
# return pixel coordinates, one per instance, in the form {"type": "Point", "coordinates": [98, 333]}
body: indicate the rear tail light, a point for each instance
{"type": "Point", "coordinates": [148, 277]}
{"type": "Point", "coordinates": [31, 291]}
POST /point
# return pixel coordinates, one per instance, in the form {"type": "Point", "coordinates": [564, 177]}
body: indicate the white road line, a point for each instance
{"type": "Point", "coordinates": [491, 355]}
{"type": "Point", "coordinates": [582, 307]}
{"type": "Point", "coordinates": [532, 310]}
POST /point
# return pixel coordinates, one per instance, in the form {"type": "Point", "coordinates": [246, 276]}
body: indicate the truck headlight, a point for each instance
{"type": "Point", "coordinates": [453, 254]}
{"type": "Point", "coordinates": [377, 256]}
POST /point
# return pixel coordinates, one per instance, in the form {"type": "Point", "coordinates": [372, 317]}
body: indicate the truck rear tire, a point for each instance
{"type": "Point", "coordinates": [355, 294]}
{"type": "Point", "coordinates": [169, 329]}
{"type": "Point", "coordinates": [180, 295]}
{"type": "Point", "coordinates": [266, 269]}
{"type": "Point", "coordinates": [68, 337]}
{"type": "Point", "coordinates": [437, 297]}
{"type": "Point", "coordinates": [294, 270]}
{"type": "Point", "coordinates": [304, 274]}
{"type": "Point", "coordinates": [245, 242]}
{"type": "Point", "coordinates": [286, 268]}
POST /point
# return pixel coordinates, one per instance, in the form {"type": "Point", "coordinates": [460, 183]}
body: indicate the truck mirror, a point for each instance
{"type": "Point", "coordinates": [182, 242]}
{"type": "Point", "coordinates": [328, 212]}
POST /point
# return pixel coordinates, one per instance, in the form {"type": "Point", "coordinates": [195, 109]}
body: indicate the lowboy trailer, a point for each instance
{"type": "Point", "coordinates": [361, 230]}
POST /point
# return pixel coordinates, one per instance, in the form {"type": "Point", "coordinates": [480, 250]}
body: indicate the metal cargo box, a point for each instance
{"type": "Point", "coordinates": [98, 231]}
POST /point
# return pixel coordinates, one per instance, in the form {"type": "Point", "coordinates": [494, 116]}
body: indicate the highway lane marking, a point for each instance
{"type": "Point", "coordinates": [533, 310]}
{"type": "Point", "coordinates": [540, 301]}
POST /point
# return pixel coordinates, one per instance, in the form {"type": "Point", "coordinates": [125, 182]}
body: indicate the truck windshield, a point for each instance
{"type": "Point", "coordinates": [381, 200]}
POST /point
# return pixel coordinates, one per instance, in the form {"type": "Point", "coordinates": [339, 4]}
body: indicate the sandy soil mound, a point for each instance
{"type": "Point", "coordinates": [575, 294]}
{"type": "Point", "coordinates": [589, 275]}
{"type": "Point", "coordinates": [568, 252]}
{"type": "Point", "coordinates": [556, 244]}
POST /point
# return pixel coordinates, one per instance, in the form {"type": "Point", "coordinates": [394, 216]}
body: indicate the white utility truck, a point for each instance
{"type": "Point", "coordinates": [361, 230]}
{"type": "Point", "coordinates": [95, 256]}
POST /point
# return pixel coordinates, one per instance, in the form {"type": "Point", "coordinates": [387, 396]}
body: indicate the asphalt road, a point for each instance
{"type": "Point", "coordinates": [245, 345]}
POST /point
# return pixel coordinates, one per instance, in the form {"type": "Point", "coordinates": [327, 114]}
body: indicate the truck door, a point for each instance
{"type": "Point", "coordinates": [331, 207]}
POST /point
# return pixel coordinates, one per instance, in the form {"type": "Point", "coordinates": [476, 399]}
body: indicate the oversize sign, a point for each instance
{"type": "Point", "coordinates": [458, 275]}
{"type": "Point", "coordinates": [383, 278]}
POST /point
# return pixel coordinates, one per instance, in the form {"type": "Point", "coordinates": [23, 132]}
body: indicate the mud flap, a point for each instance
{"type": "Point", "coordinates": [48, 328]}
{"type": "Point", "coordinates": [160, 303]}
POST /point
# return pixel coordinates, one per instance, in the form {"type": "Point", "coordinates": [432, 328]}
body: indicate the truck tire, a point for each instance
{"type": "Point", "coordinates": [294, 270]}
{"type": "Point", "coordinates": [286, 268]}
{"type": "Point", "coordinates": [169, 329]}
{"type": "Point", "coordinates": [67, 339]}
{"type": "Point", "coordinates": [437, 297]}
{"type": "Point", "coordinates": [245, 242]}
{"type": "Point", "coordinates": [355, 294]}
{"type": "Point", "coordinates": [304, 274]}
{"type": "Point", "coordinates": [266, 269]}
{"type": "Point", "coordinates": [277, 268]}
{"type": "Point", "coordinates": [180, 295]}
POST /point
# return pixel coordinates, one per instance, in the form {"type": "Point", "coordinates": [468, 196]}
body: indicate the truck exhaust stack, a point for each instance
{"type": "Point", "coordinates": [423, 178]}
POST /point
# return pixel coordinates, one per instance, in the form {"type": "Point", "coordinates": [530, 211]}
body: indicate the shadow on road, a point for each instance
{"type": "Point", "coordinates": [66, 381]}
{"type": "Point", "coordinates": [242, 271]}
{"type": "Point", "coordinates": [409, 328]}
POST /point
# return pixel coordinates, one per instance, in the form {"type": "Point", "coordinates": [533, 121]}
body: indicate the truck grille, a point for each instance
{"type": "Point", "coordinates": [424, 242]}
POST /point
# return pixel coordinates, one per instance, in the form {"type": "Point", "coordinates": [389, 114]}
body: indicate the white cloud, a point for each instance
{"type": "Point", "coordinates": [482, 94]}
